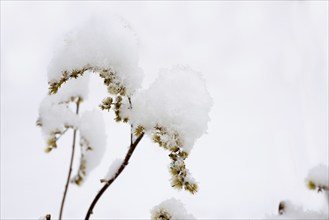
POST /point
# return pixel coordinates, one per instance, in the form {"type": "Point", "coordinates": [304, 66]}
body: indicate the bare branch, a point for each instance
{"type": "Point", "coordinates": [71, 163]}
{"type": "Point", "coordinates": [110, 181]}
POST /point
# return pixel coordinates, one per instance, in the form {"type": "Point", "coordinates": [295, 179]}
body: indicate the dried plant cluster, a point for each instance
{"type": "Point", "coordinates": [162, 215]}
{"type": "Point", "coordinates": [318, 187]}
{"type": "Point", "coordinates": [181, 177]}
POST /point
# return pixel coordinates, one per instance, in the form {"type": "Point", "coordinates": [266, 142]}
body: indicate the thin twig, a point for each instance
{"type": "Point", "coordinates": [110, 181]}
{"type": "Point", "coordinates": [131, 126]}
{"type": "Point", "coordinates": [66, 129]}
{"type": "Point", "coordinates": [71, 163]}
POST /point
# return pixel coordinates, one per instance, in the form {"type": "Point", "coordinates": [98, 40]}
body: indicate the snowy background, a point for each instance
{"type": "Point", "coordinates": [266, 67]}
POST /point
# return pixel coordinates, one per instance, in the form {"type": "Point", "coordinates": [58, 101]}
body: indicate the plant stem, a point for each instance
{"type": "Point", "coordinates": [66, 129]}
{"type": "Point", "coordinates": [110, 181]}
{"type": "Point", "coordinates": [71, 163]}
{"type": "Point", "coordinates": [131, 126]}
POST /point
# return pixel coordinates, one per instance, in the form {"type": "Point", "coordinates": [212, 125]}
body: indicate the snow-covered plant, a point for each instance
{"type": "Point", "coordinates": [46, 217]}
{"type": "Point", "coordinates": [173, 111]}
{"type": "Point", "coordinates": [287, 210]}
{"type": "Point", "coordinates": [56, 117]}
{"type": "Point", "coordinates": [317, 179]}
{"type": "Point", "coordinates": [170, 209]}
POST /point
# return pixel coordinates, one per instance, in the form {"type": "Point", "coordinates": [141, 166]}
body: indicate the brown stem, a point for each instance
{"type": "Point", "coordinates": [131, 126]}
{"type": "Point", "coordinates": [71, 163]}
{"type": "Point", "coordinates": [66, 129]}
{"type": "Point", "coordinates": [110, 181]}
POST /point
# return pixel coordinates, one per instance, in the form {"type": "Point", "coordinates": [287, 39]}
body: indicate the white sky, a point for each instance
{"type": "Point", "coordinates": [266, 66]}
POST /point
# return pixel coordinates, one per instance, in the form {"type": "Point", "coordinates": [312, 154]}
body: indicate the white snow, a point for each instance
{"type": "Point", "coordinates": [101, 43]}
{"type": "Point", "coordinates": [92, 130]}
{"type": "Point", "coordinates": [54, 117]}
{"type": "Point", "coordinates": [173, 207]}
{"type": "Point", "coordinates": [113, 168]}
{"type": "Point", "coordinates": [54, 111]}
{"type": "Point", "coordinates": [178, 101]}
{"type": "Point", "coordinates": [319, 175]}
{"type": "Point", "coordinates": [292, 211]}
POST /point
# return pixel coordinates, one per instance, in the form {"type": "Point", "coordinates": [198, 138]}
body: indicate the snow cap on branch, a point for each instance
{"type": "Point", "coordinates": [318, 178]}
{"type": "Point", "coordinates": [101, 43]}
{"type": "Point", "coordinates": [54, 116]}
{"type": "Point", "coordinates": [178, 101]}
{"type": "Point", "coordinates": [169, 210]}
{"type": "Point", "coordinates": [54, 113]}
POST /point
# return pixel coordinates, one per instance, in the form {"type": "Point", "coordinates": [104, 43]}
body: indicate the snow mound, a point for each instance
{"type": "Point", "coordinates": [319, 175]}
{"type": "Point", "coordinates": [177, 101]}
{"type": "Point", "coordinates": [170, 209]}
{"type": "Point", "coordinates": [100, 43]}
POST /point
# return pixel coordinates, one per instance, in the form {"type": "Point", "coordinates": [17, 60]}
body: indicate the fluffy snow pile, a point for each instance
{"type": "Point", "coordinates": [170, 209]}
{"type": "Point", "coordinates": [318, 177]}
{"type": "Point", "coordinates": [54, 114]}
{"type": "Point", "coordinates": [288, 210]}
{"type": "Point", "coordinates": [177, 101]}
{"type": "Point", "coordinates": [54, 118]}
{"type": "Point", "coordinates": [100, 43]}
{"type": "Point", "coordinates": [92, 133]}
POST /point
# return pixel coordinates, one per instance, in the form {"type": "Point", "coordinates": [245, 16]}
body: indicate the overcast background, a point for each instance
{"type": "Point", "coordinates": [266, 67]}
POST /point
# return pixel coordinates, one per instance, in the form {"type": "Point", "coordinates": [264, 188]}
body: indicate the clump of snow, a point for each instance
{"type": "Point", "coordinates": [288, 210]}
{"type": "Point", "coordinates": [92, 133]}
{"type": "Point", "coordinates": [170, 209]}
{"type": "Point", "coordinates": [55, 117]}
{"type": "Point", "coordinates": [319, 175]}
{"type": "Point", "coordinates": [178, 101]}
{"type": "Point", "coordinates": [54, 112]}
{"type": "Point", "coordinates": [102, 42]}
{"type": "Point", "coordinates": [113, 169]}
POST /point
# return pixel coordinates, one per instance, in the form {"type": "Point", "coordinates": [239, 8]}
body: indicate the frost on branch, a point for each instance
{"type": "Point", "coordinates": [169, 210]}
{"type": "Point", "coordinates": [107, 46]}
{"type": "Point", "coordinates": [317, 178]}
{"type": "Point", "coordinates": [92, 143]}
{"type": "Point", "coordinates": [174, 111]}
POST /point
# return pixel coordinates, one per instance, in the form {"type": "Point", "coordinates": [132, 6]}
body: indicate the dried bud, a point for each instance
{"type": "Point", "coordinates": [191, 187]}
{"type": "Point", "coordinates": [139, 130]}
{"type": "Point", "coordinates": [161, 215]}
